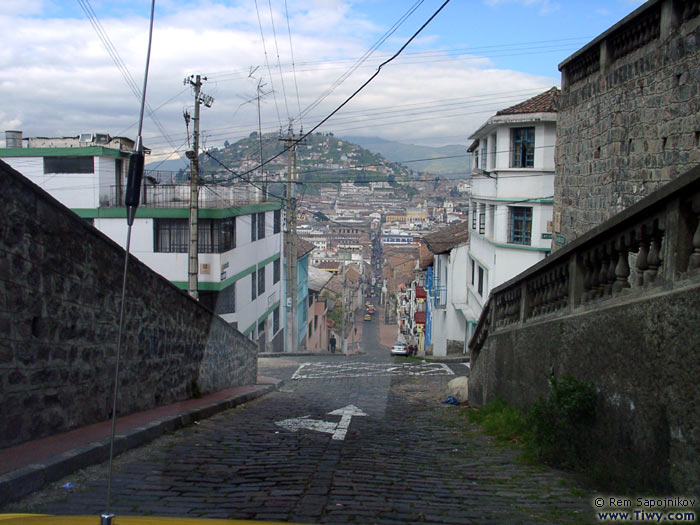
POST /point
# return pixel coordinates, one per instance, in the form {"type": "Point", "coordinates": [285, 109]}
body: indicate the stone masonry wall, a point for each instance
{"type": "Point", "coordinates": [643, 355]}
{"type": "Point", "coordinates": [629, 116]}
{"type": "Point", "coordinates": [60, 285]}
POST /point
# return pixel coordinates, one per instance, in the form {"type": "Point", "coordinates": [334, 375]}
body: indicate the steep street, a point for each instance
{"type": "Point", "coordinates": [395, 455]}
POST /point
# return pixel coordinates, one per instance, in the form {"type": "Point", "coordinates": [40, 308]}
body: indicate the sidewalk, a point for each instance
{"type": "Point", "coordinates": [27, 467]}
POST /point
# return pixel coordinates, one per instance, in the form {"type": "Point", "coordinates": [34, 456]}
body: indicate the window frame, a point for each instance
{"type": "Point", "coordinates": [522, 141]}
{"type": "Point", "coordinates": [72, 164]}
{"type": "Point", "coordinates": [253, 285]}
{"type": "Point", "coordinates": [521, 235]}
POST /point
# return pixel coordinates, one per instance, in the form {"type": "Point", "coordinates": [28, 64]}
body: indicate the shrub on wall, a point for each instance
{"type": "Point", "coordinates": [562, 422]}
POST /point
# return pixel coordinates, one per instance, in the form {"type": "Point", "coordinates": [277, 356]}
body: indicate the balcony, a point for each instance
{"type": "Point", "coordinates": [439, 297]}
{"type": "Point", "coordinates": [178, 196]}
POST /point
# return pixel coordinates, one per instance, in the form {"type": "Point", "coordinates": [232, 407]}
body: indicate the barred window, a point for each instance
{"type": "Point", "coordinates": [253, 286]}
{"type": "Point", "coordinates": [253, 230]}
{"type": "Point", "coordinates": [520, 225]}
{"type": "Point", "coordinates": [213, 235]}
{"type": "Point", "coordinates": [171, 235]}
{"type": "Point", "coordinates": [523, 147]}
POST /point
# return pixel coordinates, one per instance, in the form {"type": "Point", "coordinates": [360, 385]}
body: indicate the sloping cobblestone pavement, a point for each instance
{"type": "Point", "coordinates": [411, 459]}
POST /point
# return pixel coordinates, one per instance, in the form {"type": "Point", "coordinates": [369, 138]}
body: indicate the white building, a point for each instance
{"type": "Point", "coordinates": [512, 194]}
{"type": "Point", "coordinates": [240, 238]}
{"type": "Point", "coordinates": [449, 312]}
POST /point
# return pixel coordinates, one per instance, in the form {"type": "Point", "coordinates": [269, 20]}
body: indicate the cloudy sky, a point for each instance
{"type": "Point", "coordinates": [475, 57]}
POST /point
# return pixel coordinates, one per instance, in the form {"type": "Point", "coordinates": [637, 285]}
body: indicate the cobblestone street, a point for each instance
{"type": "Point", "coordinates": [301, 455]}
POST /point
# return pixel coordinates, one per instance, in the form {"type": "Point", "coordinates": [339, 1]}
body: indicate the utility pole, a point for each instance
{"type": "Point", "coordinates": [290, 247]}
{"type": "Point", "coordinates": [193, 155]}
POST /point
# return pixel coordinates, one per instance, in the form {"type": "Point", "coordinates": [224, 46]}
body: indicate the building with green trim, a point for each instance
{"type": "Point", "coordinates": [240, 236]}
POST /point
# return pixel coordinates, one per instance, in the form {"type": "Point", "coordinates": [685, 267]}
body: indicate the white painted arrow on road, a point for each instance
{"type": "Point", "coordinates": [338, 430]}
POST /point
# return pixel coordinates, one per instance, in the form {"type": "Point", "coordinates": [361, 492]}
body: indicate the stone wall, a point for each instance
{"type": "Point", "coordinates": [60, 285]}
{"type": "Point", "coordinates": [643, 355]}
{"type": "Point", "coordinates": [629, 115]}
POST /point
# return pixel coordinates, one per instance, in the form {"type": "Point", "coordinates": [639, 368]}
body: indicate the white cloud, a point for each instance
{"type": "Point", "coordinates": [58, 79]}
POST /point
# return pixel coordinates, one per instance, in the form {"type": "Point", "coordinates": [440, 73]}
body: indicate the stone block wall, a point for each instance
{"type": "Point", "coordinates": [629, 115]}
{"type": "Point", "coordinates": [60, 285]}
{"type": "Point", "coordinates": [643, 355]}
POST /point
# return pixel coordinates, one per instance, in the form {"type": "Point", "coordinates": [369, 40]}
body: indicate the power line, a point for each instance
{"type": "Point", "coordinates": [291, 52]}
{"type": "Point", "coordinates": [279, 65]}
{"type": "Point", "coordinates": [358, 90]}
{"type": "Point", "coordinates": [362, 59]}
{"type": "Point", "coordinates": [267, 64]}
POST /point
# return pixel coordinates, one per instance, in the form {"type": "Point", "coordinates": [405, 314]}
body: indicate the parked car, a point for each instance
{"type": "Point", "coordinates": [399, 348]}
{"type": "Point", "coordinates": [368, 317]}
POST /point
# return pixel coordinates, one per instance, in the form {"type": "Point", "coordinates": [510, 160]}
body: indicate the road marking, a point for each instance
{"type": "Point", "coordinates": [338, 430]}
{"type": "Point", "coordinates": [361, 369]}
{"type": "Point", "coordinates": [346, 414]}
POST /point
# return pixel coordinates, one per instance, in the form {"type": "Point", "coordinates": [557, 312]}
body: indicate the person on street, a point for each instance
{"type": "Point", "coordinates": [332, 343]}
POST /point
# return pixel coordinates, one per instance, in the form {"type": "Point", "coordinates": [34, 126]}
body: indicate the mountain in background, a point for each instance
{"type": "Point", "coordinates": [168, 165]}
{"type": "Point", "coordinates": [399, 152]}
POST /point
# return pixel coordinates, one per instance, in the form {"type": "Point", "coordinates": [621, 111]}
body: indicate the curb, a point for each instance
{"type": "Point", "coordinates": [20, 482]}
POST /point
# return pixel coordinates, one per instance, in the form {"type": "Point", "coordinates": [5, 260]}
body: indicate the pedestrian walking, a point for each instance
{"type": "Point", "coordinates": [332, 343]}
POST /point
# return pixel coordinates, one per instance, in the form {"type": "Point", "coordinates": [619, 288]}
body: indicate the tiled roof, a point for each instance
{"type": "Point", "coordinates": [303, 247]}
{"type": "Point", "coordinates": [444, 240]}
{"type": "Point", "coordinates": [547, 102]}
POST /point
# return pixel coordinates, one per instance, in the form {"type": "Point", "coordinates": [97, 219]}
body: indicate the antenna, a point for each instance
{"type": "Point", "coordinates": [133, 194]}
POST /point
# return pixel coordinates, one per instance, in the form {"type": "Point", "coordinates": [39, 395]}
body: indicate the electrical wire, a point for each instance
{"type": "Point", "coordinates": [291, 52]}
{"type": "Point", "coordinates": [362, 59]}
{"type": "Point", "coordinates": [279, 65]}
{"type": "Point", "coordinates": [358, 90]}
{"type": "Point", "coordinates": [267, 64]}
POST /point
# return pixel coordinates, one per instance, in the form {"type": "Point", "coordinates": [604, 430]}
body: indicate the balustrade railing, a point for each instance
{"type": "Point", "coordinates": [178, 196]}
{"type": "Point", "coordinates": [654, 244]}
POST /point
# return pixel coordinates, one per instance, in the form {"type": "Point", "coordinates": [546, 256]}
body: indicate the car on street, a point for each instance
{"type": "Point", "coordinates": [368, 317]}
{"type": "Point", "coordinates": [399, 348]}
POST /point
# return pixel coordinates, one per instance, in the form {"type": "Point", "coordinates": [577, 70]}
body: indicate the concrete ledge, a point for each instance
{"type": "Point", "coordinates": [446, 358]}
{"type": "Point", "coordinates": [37, 463]}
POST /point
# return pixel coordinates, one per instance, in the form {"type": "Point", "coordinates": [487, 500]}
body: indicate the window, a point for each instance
{"type": "Point", "coordinates": [261, 281]}
{"type": "Point", "coordinates": [226, 300]}
{"type": "Point", "coordinates": [261, 328]}
{"type": "Point", "coordinates": [261, 225]}
{"type": "Point", "coordinates": [276, 320]}
{"type": "Point", "coordinates": [253, 286]}
{"type": "Point", "coordinates": [481, 281]}
{"type": "Point", "coordinates": [520, 225]}
{"type": "Point", "coordinates": [277, 221]}
{"type": "Point", "coordinates": [310, 328]}
{"type": "Point", "coordinates": [523, 147]}
{"type": "Point", "coordinates": [253, 224]}
{"type": "Point", "coordinates": [482, 222]}
{"type": "Point", "coordinates": [474, 217]}
{"type": "Point", "coordinates": [315, 322]}
{"type": "Point", "coordinates": [311, 299]}
{"type": "Point", "coordinates": [216, 235]}
{"type": "Point", "coordinates": [213, 235]}
{"type": "Point", "coordinates": [276, 270]}
{"type": "Point", "coordinates": [473, 272]}
{"type": "Point", "coordinates": [69, 165]}
{"type": "Point", "coordinates": [171, 235]}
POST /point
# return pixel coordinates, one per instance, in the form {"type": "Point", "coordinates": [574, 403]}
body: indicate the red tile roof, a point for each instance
{"type": "Point", "coordinates": [547, 102]}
